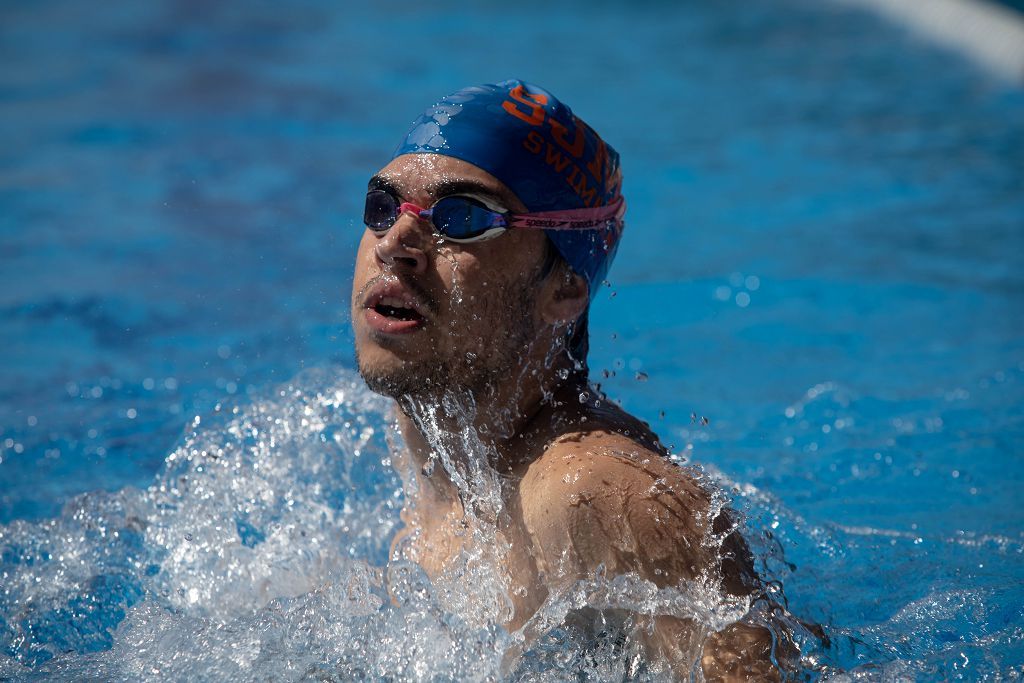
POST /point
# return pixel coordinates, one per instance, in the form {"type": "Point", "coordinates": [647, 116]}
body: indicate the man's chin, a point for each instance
{"type": "Point", "coordinates": [396, 380]}
{"type": "Point", "coordinates": [389, 385]}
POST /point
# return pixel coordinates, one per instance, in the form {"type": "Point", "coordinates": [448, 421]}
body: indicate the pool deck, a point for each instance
{"type": "Point", "coordinates": [989, 34]}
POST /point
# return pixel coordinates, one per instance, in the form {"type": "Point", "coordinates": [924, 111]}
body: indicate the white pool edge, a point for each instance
{"type": "Point", "coordinates": [990, 35]}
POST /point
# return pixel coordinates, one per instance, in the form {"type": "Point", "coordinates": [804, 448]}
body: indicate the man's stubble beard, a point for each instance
{"type": "Point", "coordinates": [474, 371]}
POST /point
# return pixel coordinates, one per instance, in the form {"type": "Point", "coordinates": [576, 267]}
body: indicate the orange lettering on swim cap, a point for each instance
{"type": "Point", "coordinates": [533, 103]}
{"type": "Point", "coordinates": [534, 142]}
{"type": "Point", "coordinates": [558, 131]}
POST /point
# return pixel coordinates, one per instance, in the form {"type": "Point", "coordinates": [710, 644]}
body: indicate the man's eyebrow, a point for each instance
{"type": "Point", "coordinates": [443, 188]}
{"type": "Point", "coordinates": [379, 182]}
{"type": "Point", "coordinates": [450, 187]}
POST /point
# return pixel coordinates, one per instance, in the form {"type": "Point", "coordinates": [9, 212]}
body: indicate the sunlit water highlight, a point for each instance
{"type": "Point", "coordinates": [261, 552]}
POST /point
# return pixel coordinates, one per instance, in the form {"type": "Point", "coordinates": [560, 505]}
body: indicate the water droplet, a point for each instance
{"type": "Point", "coordinates": [188, 537]}
{"type": "Point", "coordinates": [641, 377]}
{"type": "Point", "coordinates": [584, 396]}
{"type": "Point", "coordinates": [428, 467]}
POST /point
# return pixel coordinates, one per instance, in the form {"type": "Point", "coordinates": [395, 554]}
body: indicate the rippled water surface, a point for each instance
{"type": "Point", "coordinates": [823, 258]}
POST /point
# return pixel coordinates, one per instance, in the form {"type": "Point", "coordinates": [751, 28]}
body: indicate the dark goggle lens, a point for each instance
{"type": "Point", "coordinates": [381, 210]}
{"type": "Point", "coordinates": [461, 218]}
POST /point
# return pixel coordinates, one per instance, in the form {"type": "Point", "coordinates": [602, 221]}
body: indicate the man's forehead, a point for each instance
{"type": "Point", "coordinates": [435, 175]}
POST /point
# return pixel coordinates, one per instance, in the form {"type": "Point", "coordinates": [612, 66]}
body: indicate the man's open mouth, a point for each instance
{"type": "Point", "coordinates": [390, 308]}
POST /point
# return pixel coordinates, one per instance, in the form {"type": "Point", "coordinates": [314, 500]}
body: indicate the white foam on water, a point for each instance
{"type": "Point", "coordinates": [261, 552]}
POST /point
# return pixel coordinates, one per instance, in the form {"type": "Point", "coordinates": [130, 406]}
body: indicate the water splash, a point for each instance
{"type": "Point", "coordinates": [262, 551]}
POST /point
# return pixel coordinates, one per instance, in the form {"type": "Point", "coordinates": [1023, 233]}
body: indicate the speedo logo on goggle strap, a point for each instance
{"type": "Point", "coordinates": [593, 179]}
{"type": "Point", "coordinates": [546, 220]}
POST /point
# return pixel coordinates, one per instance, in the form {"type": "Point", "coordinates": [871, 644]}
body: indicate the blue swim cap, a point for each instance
{"type": "Point", "coordinates": [526, 138]}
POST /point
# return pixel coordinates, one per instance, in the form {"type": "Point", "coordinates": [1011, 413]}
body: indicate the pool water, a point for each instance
{"type": "Point", "coordinates": [823, 258]}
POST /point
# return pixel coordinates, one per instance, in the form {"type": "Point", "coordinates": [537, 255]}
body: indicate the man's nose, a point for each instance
{"type": "Point", "coordinates": [404, 245]}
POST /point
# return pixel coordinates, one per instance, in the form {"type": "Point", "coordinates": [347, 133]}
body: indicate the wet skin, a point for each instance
{"type": "Point", "coordinates": [583, 484]}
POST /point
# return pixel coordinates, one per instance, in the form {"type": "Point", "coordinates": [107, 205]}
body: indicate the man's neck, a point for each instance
{"type": "Point", "coordinates": [501, 419]}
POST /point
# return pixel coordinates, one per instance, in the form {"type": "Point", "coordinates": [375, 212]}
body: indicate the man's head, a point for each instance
{"type": "Point", "coordinates": [431, 312]}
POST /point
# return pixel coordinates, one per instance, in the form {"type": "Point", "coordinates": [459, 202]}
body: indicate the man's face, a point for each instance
{"type": "Point", "coordinates": [431, 315]}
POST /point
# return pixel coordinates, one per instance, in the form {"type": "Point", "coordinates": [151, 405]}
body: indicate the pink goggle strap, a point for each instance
{"type": "Point", "coordinates": [412, 208]}
{"type": "Point", "coordinates": [571, 219]}
{"type": "Point", "coordinates": [567, 219]}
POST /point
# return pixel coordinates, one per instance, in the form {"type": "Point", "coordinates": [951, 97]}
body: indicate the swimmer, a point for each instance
{"type": "Point", "coordinates": [487, 236]}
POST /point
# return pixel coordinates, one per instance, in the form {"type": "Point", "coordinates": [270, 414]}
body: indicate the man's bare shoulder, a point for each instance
{"type": "Point", "coordinates": [599, 497]}
{"type": "Point", "coordinates": [605, 460]}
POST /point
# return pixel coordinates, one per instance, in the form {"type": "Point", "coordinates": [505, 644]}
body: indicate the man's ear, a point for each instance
{"type": "Point", "coordinates": [564, 297]}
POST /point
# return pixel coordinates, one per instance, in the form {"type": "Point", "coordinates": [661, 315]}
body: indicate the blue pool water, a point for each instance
{"type": "Point", "coordinates": [824, 257]}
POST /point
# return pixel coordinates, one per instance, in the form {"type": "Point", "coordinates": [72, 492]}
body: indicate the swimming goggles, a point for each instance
{"type": "Point", "coordinates": [465, 218]}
